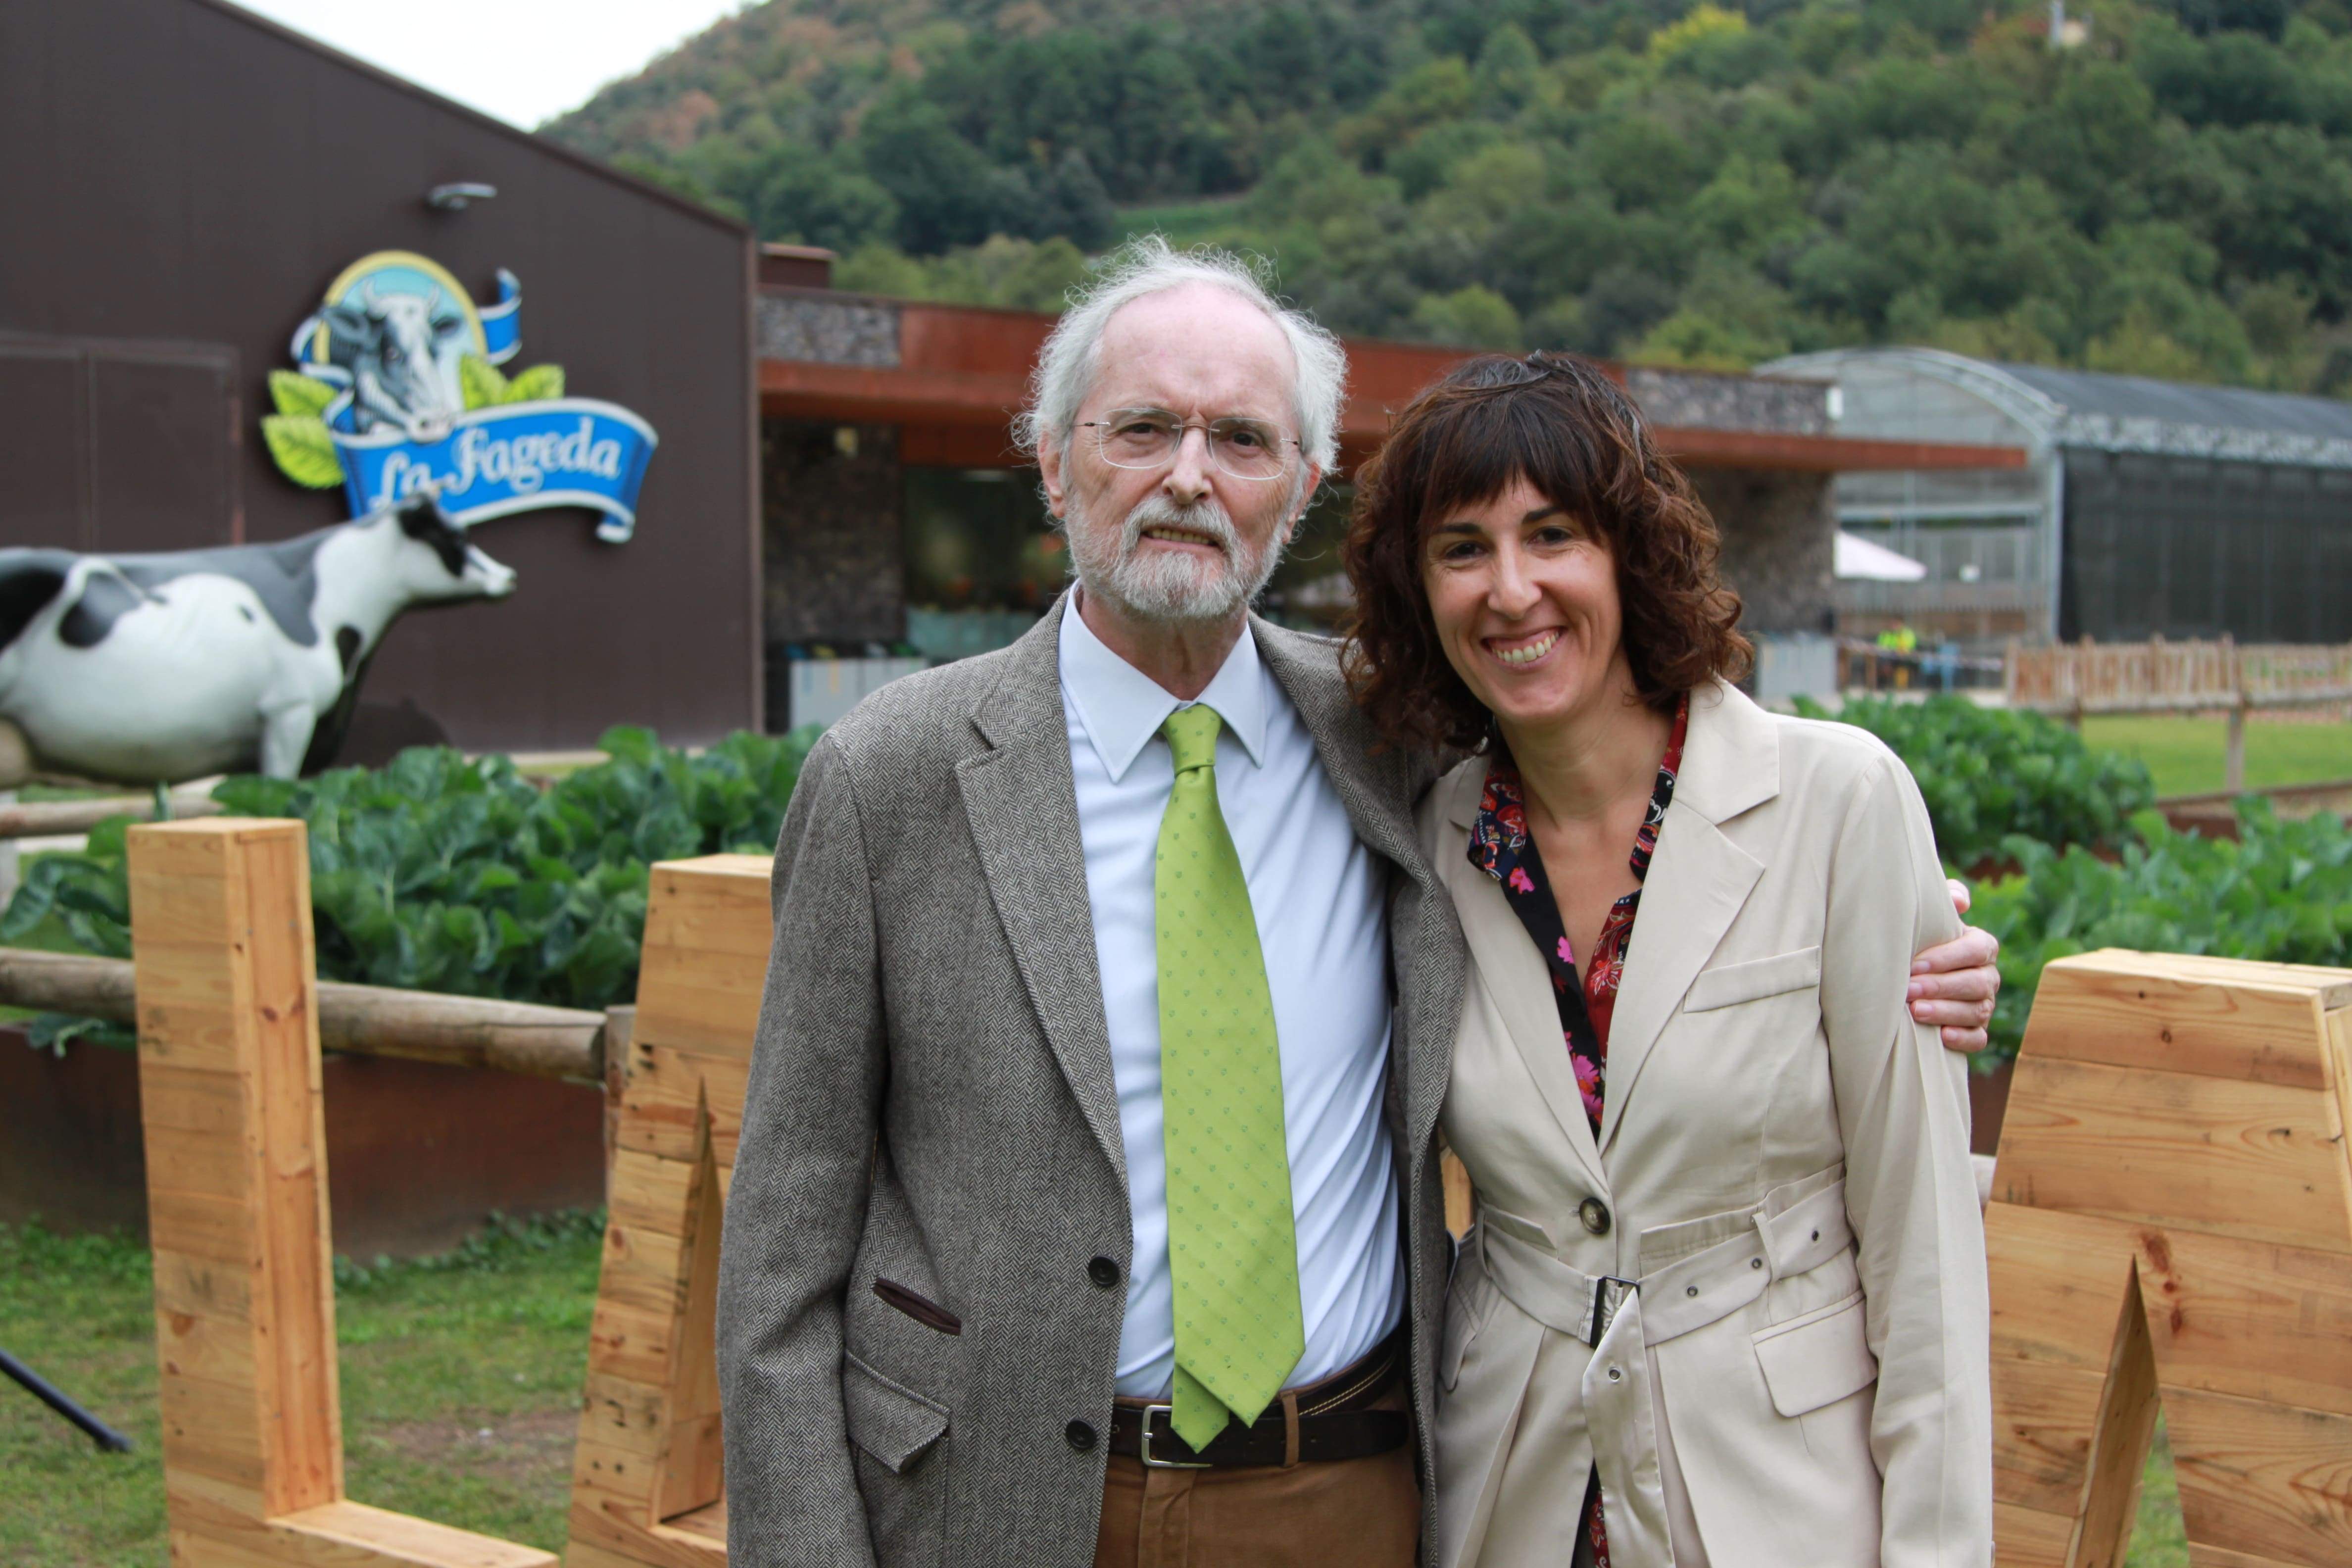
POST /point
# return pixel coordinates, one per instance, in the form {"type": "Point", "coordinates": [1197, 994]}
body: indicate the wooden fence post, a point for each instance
{"type": "Point", "coordinates": [237, 1182]}
{"type": "Point", "coordinates": [646, 1478]}
{"type": "Point", "coordinates": [2172, 1222]}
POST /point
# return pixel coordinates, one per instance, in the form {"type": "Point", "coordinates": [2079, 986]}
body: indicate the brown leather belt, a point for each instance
{"type": "Point", "coordinates": [1333, 1421]}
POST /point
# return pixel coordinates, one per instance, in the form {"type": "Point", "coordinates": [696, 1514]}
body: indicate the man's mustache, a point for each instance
{"type": "Point", "coordinates": [1205, 518]}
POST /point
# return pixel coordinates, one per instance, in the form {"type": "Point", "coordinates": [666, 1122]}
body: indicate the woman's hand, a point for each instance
{"type": "Point", "coordinates": [1954, 985]}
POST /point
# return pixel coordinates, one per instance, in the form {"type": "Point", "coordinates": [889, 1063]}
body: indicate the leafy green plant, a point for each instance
{"type": "Point", "coordinates": [2282, 892]}
{"type": "Point", "coordinates": [1989, 773]}
{"type": "Point", "coordinates": [437, 873]}
{"type": "Point", "coordinates": [486, 386]}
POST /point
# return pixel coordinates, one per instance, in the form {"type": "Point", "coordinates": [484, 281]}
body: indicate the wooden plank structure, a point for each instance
{"type": "Point", "coordinates": [647, 1486]}
{"type": "Point", "coordinates": [2172, 1223]}
{"type": "Point", "coordinates": [245, 1306]}
{"type": "Point", "coordinates": [2163, 677]}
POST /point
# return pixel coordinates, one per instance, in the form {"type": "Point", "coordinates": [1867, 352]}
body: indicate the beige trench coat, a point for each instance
{"type": "Point", "coordinates": [1798, 1377]}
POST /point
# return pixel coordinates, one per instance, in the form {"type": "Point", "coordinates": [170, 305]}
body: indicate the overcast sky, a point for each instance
{"type": "Point", "coordinates": [522, 61]}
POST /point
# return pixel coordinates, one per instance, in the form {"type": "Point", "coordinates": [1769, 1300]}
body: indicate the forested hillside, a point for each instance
{"type": "Point", "coordinates": [2169, 191]}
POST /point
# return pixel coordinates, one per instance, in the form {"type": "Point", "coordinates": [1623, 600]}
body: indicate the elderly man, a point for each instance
{"type": "Point", "coordinates": [1088, 1201]}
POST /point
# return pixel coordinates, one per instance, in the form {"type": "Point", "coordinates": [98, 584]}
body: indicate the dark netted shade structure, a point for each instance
{"type": "Point", "coordinates": [2150, 507]}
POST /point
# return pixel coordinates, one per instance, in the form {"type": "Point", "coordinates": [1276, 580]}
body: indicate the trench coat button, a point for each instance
{"type": "Point", "coordinates": [1691, 1290]}
{"type": "Point", "coordinates": [1595, 1215]}
{"type": "Point", "coordinates": [1103, 1272]}
{"type": "Point", "coordinates": [1755, 1263]}
{"type": "Point", "coordinates": [1616, 1375]}
{"type": "Point", "coordinates": [1081, 1435]}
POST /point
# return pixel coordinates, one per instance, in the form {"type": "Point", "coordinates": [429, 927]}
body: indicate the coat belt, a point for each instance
{"type": "Point", "coordinates": [1785, 1236]}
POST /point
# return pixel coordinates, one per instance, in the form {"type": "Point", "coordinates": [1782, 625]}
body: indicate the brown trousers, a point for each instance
{"type": "Point", "coordinates": [1365, 1513]}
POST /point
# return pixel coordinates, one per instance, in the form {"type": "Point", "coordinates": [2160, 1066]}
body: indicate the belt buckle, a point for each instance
{"type": "Point", "coordinates": [1608, 1303]}
{"type": "Point", "coordinates": [1143, 1444]}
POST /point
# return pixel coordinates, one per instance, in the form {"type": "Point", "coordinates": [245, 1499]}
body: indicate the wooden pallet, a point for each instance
{"type": "Point", "coordinates": [647, 1489]}
{"type": "Point", "coordinates": [237, 1181]}
{"type": "Point", "coordinates": [2171, 1225]}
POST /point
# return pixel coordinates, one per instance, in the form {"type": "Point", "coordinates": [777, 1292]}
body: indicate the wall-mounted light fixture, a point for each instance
{"type": "Point", "coordinates": [456, 198]}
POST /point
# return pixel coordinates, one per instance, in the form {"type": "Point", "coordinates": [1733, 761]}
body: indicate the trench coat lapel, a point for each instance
{"type": "Point", "coordinates": [1022, 801]}
{"type": "Point", "coordinates": [1699, 879]}
{"type": "Point", "coordinates": [1514, 973]}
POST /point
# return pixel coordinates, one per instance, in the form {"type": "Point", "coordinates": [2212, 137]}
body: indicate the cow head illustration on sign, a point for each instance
{"type": "Point", "coordinates": [401, 390]}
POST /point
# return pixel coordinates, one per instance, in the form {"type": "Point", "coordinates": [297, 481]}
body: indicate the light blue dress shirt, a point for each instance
{"type": "Point", "coordinates": [1318, 893]}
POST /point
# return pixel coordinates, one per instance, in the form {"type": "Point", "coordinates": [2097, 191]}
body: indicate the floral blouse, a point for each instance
{"type": "Point", "coordinates": [1501, 846]}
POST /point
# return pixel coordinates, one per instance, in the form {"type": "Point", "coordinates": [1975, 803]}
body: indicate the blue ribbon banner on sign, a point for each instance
{"type": "Point", "coordinates": [566, 451]}
{"type": "Point", "coordinates": [400, 391]}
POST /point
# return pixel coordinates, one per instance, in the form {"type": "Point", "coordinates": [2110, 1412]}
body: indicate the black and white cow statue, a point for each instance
{"type": "Point", "coordinates": [143, 669]}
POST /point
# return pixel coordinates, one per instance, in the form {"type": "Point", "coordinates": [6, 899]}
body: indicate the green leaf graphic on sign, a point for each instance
{"type": "Point", "coordinates": [540, 381]}
{"type": "Point", "coordinates": [305, 452]}
{"type": "Point", "coordinates": [295, 394]}
{"type": "Point", "coordinates": [483, 385]}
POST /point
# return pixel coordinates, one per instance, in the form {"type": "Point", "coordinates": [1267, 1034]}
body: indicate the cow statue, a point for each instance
{"type": "Point", "coordinates": [152, 669]}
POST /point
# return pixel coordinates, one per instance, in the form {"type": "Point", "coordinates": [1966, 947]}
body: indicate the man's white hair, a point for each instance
{"type": "Point", "coordinates": [1149, 265]}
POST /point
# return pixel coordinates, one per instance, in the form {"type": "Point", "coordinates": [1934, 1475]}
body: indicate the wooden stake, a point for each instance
{"type": "Point", "coordinates": [646, 1480]}
{"type": "Point", "coordinates": [236, 1177]}
{"type": "Point", "coordinates": [2173, 1223]}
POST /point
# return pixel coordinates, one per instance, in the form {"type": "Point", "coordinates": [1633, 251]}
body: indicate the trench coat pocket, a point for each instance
{"type": "Point", "coordinates": [1759, 977]}
{"type": "Point", "coordinates": [1822, 1357]}
{"type": "Point", "coordinates": [895, 1425]}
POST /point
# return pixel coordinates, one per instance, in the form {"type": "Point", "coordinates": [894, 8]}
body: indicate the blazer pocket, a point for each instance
{"type": "Point", "coordinates": [928, 1313]}
{"type": "Point", "coordinates": [893, 1423]}
{"type": "Point", "coordinates": [1736, 983]}
{"type": "Point", "coordinates": [1817, 1359]}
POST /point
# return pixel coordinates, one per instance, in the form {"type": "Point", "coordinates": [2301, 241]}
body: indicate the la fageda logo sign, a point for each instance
{"type": "Point", "coordinates": [400, 389]}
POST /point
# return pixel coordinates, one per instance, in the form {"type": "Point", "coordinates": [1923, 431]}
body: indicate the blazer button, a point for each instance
{"type": "Point", "coordinates": [1081, 1435]}
{"type": "Point", "coordinates": [1103, 1272]}
{"type": "Point", "coordinates": [1595, 1215]}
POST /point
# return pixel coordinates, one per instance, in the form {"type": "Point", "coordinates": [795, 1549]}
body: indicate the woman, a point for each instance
{"type": "Point", "coordinates": [1725, 1302]}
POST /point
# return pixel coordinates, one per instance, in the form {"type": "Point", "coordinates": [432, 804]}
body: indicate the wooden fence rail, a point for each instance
{"type": "Point", "coordinates": [2161, 677]}
{"type": "Point", "coordinates": [362, 1020]}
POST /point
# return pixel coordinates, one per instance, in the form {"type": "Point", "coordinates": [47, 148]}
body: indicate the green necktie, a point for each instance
{"type": "Point", "coordinates": [1233, 1247]}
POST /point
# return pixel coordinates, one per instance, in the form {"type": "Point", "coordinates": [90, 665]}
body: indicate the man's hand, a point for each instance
{"type": "Point", "coordinates": [1954, 985]}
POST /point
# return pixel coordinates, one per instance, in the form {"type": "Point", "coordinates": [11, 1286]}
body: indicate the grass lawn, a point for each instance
{"type": "Point", "coordinates": [461, 1395]}
{"type": "Point", "coordinates": [2185, 754]}
{"type": "Point", "coordinates": [461, 1381]}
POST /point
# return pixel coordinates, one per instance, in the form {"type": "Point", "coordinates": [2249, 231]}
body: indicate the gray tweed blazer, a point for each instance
{"type": "Point", "coordinates": [927, 1237]}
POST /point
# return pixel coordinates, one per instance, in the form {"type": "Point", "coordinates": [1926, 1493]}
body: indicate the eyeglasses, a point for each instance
{"type": "Point", "coordinates": [1150, 438]}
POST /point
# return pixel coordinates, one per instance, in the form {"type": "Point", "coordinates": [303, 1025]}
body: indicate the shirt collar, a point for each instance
{"type": "Point", "coordinates": [1122, 707]}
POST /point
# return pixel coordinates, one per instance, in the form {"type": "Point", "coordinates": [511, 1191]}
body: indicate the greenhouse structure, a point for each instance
{"type": "Point", "coordinates": [2149, 508]}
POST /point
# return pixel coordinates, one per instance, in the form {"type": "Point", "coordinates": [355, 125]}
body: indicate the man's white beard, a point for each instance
{"type": "Point", "coordinates": [1169, 584]}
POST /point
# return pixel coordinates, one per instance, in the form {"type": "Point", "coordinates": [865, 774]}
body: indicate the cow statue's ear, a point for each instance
{"type": "Point", "coordinates": [420, 517]}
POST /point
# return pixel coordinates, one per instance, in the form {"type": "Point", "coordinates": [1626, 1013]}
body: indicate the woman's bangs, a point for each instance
{"type": "Point", "coordinates": [1478, 450]}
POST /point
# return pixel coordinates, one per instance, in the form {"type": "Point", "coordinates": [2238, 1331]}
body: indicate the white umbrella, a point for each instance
{"type": "Point", "coordinates": [1858, 557]}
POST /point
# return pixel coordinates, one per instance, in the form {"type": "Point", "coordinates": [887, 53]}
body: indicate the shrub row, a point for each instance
{"type": "Point", "coordinates": [2282, 892]}
{"type": "Point", "coordinates": [440, 874]}
{"type": "Point", "coordinates": [1990, 774]}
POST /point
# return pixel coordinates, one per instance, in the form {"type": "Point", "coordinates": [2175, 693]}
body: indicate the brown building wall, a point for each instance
{"type": "Point", "coordinates": [1780, 544]}
{"type": "Point", "coordinates": [173, 171]}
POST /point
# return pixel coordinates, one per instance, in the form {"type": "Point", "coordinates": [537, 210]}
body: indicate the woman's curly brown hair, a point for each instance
{"type": "Point", "coordinates": [1562, 424]}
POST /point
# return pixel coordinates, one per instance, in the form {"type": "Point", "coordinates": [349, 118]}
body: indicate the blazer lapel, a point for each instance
{"type": "Point", "coordinates": [1372, 787]}
{"type": "Point", "coordinates": [1022, 801]}
{"type": "Point", "coordinates": [1699, 879]}
{"type": "Point", "coordinates": [1378, 784]}
{"type": "Point", "coordinates": [1515, 975]}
